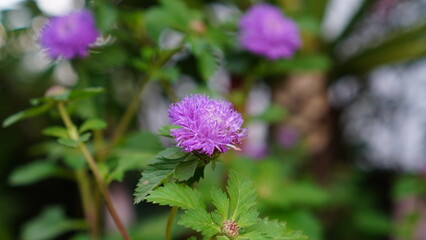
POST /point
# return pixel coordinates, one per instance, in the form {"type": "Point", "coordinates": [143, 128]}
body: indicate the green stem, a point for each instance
{"type": "Point", "coordinates": [87, 202]}
{"type": "Point", "coordinates": [128, 115]}
{"type": "Point", "coordinates": [170, 221]}
{"type": "Point", "coordinates": [73, 133]}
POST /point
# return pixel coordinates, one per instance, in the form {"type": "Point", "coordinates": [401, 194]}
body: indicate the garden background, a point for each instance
{"type": "Point", "coordinates": [336, 134]}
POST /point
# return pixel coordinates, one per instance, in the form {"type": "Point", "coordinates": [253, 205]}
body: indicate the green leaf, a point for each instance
{"type": "Point", "coordinates": [50, 224]}
{"type": "Point", "coordinates": [30, 112]}
{"type": "Point", "coordinates": [68, 142]}
{"type": "Point", "coordinates": [93, 124]}
{"type": "Point", "coordinates": [221, 202]}
{"type": "Point", "coordinates": [207, 64]}
{"type": "Point", "coordinates": [241, 196]}
{"type": "Point", "coordinates": [56, 131]}
{"type": "Point", "coordinates": [156, 173]}
{"type": "Point", "coordinates": [177, 195]}
{"type": "Point", "coordinates": [271, 230]}
{"type": "Point", "coordinates": [185, 170]}
{"type": "Point", "coordinates": [201, 221]}
{"type": "Point", "coordinates": [34, 172]}
{"type": "Point", "coordinates": [84, 138]}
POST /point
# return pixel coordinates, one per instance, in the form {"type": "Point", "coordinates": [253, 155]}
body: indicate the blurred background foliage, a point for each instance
{"type": "Point", "coordinates": [336, 134]}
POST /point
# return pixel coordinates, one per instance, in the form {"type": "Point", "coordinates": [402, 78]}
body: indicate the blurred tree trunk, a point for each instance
{"type": "Point", "coordinates": [305, 97]}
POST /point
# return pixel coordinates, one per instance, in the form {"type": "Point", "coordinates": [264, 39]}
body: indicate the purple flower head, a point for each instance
{"type": "Point", "coordinates": [265, 31]}
{"type": "Point", "coordinates": [207, 125]}
{"type": "Point", "coordinates": [69, 36]}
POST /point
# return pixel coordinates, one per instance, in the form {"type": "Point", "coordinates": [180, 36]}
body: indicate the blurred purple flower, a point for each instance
{"type": "Point", "coordinates": [207, 125]}
{"type": "Point", "coordinates": [69, 36]}
{"type": "Point", "coordinates": [287, 137]}
{"type": "Point", "coordinates": [265, 31]}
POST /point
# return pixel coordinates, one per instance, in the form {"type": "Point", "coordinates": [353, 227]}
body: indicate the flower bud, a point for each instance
{"type": "Point", "coordinates": [230, 228]}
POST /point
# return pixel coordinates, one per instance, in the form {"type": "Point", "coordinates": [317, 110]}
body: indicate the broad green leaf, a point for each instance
{"type": "Point", "coordinates": [200, 220]}
{"type": "Point", "coordinates": [177, 195]}
{"type": "Point", "coordinates": [50, 224]}
{"type": "Point", "coordinates": [222, 238]}
{"type": "Point", "coordinates": [56, 131]}
{"type": "Point", "coordinates": [156, 173]}
{"type": "Point", "coordinates": [35, 172]}
{"type": "Point", "coordinates": [241, 195]}
{"type": "Point", "coordinates": [221, 202]}
{"type": "Point", "coordinates": [68, 142]}
{"type": "Point", "coordinates": [93, 124]}
{"type": "Point", "coordinates": [185, 170]}
{"type": "Point", "coordinates": [28, 113]}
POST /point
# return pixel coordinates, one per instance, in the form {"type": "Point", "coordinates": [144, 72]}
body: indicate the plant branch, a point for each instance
{"type": "Point", "coordinates": [87, 202]}
{"type": "Point", "coordinates": [128, 115]}
{"type": "Point", "coordinates": [170, 221]}
{"type": "Point", "coordinates": [73, 133]}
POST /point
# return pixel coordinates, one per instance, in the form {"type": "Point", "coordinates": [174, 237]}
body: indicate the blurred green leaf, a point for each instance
{"type": "Point", "coordinates": [298, 63]}
{"type": "Point", "coordinates": [405, 45]}
{"type": "Point", "coordinates": [56, 131]}
{"type": "Point", "coordinates": [93, 124]}
{"type": "Point", "coordinates": [34, 172]}
{"type": "Point", "coordinates": [68, 142]}
{"type": "Point", "coordinates": [273, 114]}
{"type": "Point", "coordinates": [28, 113]}
{"type": "Point", "coordinates": [207, 64]}
{"type": "Point", "coordinates": [132, 161]}
{"type": "Point", "coordinates": [51, 223]}
{"type": "Point", "coordinates": [165, 130]}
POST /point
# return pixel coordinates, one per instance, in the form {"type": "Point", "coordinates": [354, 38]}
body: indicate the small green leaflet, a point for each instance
{"type": "Point", "coordinates": [92, 124]}
{"type": "Point", "coordinates": [56, 131]}
{"type": "Point", "coordinates": [159, 171]}
{"type": "Point", "coordinates": [177, 195]}
{"type": "Point", "coordinates": [74, 143]}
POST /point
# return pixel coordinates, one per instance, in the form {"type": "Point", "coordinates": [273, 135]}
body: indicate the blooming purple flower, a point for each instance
{"type": "Point", "coordinates": [69, 36]}
{"type": "Point", "coordinates": [207, 125]}
{"type": "Point", "coordinates": [265, 31]}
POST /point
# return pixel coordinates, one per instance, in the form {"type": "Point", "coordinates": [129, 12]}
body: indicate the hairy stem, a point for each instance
{"type": "Point", "coordinates": [170, 221]}
{"type": "Point", "coordinates": [73, 133]}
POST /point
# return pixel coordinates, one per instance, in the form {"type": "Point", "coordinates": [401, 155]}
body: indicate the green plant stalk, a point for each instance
{"type": "Point", "coordinates": [90, 211]}
{"type": "Point", "coordinates": [170, 221]}
{"type": "Point", "coordinates": [128, 115]}
{"type": "Point", "coordinates": [73, 133]}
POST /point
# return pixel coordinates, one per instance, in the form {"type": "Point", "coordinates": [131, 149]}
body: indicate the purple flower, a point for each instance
{"type": "Point", "coordinates": [265, 31]}
{"type": "Point", "coordinates": [69, 36]}
{"type": "Point", "coordinates": [207, 125]}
